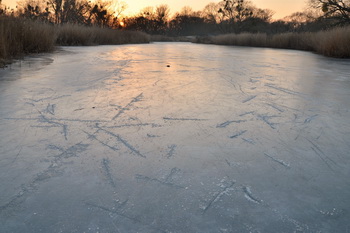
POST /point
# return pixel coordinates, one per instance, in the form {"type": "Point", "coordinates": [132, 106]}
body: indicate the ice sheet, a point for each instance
{"type": "Point", "coordinates": [175, 137]}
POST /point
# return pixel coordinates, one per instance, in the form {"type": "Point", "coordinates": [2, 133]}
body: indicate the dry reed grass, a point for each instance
{"type": "Point", "coordinates": [20, 36]}
{"type": "Point", "coordinates": [333, 43]}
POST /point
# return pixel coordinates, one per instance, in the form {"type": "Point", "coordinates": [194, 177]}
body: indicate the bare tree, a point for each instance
{"type": "Point", "coordinates": [236, 10]}
{"type": "Point", "coordinates": [118, 7]}
{"type": "Point", "coordinates": [33, 9]}
{"type": "Point", "coordinates": [106, 13]}
{"type": "Point", "coordinates": [56, 6]}
{"type": "Point", "coordinates": [2, 8]}
{"type": "Point", "coordinates": [147, 12]}
{"type": "Point", "coordinates": [333, 8]}
{"type": "Point", "coordinates": [263, 14]}
{"type": "Point", "coordinates": [303, 17]}
{"type": "Point", "coordinates": [186, 10]}
{"type": "Point", "coordinates": [162, 13]}
{"type": "Point", "coordinates": [75, 11]}
{"type": "Point", "coordinates": [211, 12]}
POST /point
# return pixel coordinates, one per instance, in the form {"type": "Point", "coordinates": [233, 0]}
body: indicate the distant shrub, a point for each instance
{"type": "Point", "coordinates": [332, 43]}
{"type": "Point", "coordinates": [243, 39]}
{"type": "Point", "coordinates": [70, 34]}
{"type": "Point", "coordinates": [164, 38]}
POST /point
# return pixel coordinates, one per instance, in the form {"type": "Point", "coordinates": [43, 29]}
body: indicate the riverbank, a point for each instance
{"type": "Point", "coordinates": [331, 43]}
{"type": "Point", "coordinates": [19, 37]}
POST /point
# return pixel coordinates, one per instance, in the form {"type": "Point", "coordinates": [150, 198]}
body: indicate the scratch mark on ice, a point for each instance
{"type": "Point", "coordinates": [275, 107]}
{"type": "Point", "coordinates": [217, 196]}
{"type": "Point", "coordinates": [123, 141]}
{"type": "Point", "coordinates": [249, 140]}
{"type": "Point", "coordinates": [238, 134]}
{"type": "Point", "coordinates": [286, 165]}
{"type": "Point", "coordinates": [91, 136]}
{"type": "Point", "coordinates": [105, 164]}
{"type": "Point", "coordinates": [266, 120]}
{"type": "Point", "coordinates": [247, 113]}
{"type": "Point", "coordinates": [171, 151]}
{"type": "Point", "coordinates": [322, 155]}
{"type": "Point", "coordinates": [227, 123]}
{"type": "Point", "coordinates": [282, 89]}
{"type": "Point", "coordinates": [183, 119]}
{"type": "Point", "coordinates": [249, 99]}
{"type": "Point", "coordinates": [249, 196]}
{"type": "Point", "coordinates": [121, 111]}
{"type": "Point", "coordinates": [309, 119]}
{"type": "Point", "coordinates": [166, 182]}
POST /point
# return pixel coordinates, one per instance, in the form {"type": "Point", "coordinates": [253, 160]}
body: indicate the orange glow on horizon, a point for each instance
{"type": "Point", "coordinates": [281, 8]}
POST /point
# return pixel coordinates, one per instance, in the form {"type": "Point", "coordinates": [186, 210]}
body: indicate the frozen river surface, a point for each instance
{"type": "Point", "coordinates": [175, 137]}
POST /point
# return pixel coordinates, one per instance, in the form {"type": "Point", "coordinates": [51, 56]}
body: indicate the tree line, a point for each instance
{"type": "Point", "coordinates": [227, 16]}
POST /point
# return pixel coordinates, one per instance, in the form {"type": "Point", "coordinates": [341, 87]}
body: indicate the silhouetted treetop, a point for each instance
{"type": "Point", "coordinates": [333, 8]}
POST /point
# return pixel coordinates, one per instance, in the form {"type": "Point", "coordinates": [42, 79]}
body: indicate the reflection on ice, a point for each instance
{"type": "Point", "coordinates": [175, 137]}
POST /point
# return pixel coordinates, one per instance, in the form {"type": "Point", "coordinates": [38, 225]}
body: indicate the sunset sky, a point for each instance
{"type": "Point", "coordinates": [280, 7]}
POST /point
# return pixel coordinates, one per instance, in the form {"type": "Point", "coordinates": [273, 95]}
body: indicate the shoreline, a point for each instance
{"type": "Point", "coordinates": [333, 43]}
